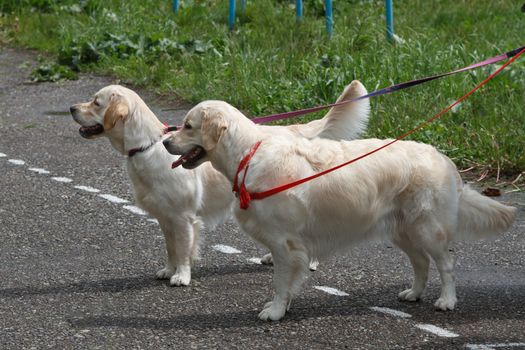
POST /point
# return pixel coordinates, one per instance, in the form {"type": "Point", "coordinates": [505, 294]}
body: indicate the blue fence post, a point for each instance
{"type": "Point", "coordinates": [389, 20]}
{"type": "Point", "coordinates": [175, 5]}
{"type": "Point", "coordinates": [299, 10]}
{"type": "Point", "coordinates": [231, 16]}
{"type": "Point", "coordinates": [329, 18]}
{"type": "Point", "coordinates": [243, 7]}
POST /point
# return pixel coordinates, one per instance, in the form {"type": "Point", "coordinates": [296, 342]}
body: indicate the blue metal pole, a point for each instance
{"type": "Point", "coordinates": [175, 5]}
{"type": "Point", "coordinates": [329, 18]}
{"type": "Point", "coordinates": [389, 20]}
{"type": "Point", "coordinates": [299, 9]}
{"type": "Point", "coordinates": [243, 6]}
{"type": "Point", "coordinates": [231, 16]}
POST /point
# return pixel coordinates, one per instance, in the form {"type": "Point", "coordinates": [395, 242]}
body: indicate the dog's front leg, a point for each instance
{"type": "Point", "coordinates": [169, 241]}
{"type": "Point", "coordinates": [179, 238]}
{"type": "Point", "coordinates": [290, 268]}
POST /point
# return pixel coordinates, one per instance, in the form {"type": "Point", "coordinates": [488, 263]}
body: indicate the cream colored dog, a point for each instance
{"type": "Point", "coordinates": [182, 200]}
{"type": "Point", "coordinates": [408, 193]}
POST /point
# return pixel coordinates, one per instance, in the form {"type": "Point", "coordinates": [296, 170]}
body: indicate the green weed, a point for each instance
{"type": "Point", "coordinates": [270, 63]}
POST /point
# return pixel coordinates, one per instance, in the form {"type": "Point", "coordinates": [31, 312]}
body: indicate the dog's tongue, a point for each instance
{"type": "Point", "coordinates": [177, 162]}
{"type": "Point", "coordinates": [181, 160]}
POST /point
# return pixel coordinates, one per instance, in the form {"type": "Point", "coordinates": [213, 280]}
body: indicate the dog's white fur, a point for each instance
{"type": "Point", "coordinates": [408, 193]}
{"type": "Point", "coordinates": [185, 200]}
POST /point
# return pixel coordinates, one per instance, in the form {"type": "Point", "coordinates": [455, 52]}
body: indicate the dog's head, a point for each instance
{"type": "Point", "coordinates": [103, 114]}
{"type": "Point", "coordinates": [202, 130]}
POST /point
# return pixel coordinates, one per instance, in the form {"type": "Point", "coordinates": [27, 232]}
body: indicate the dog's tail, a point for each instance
{"type": "Point", "coordinates": [347, 121]}
{"type": "Point", "coordinates": [480, 216]}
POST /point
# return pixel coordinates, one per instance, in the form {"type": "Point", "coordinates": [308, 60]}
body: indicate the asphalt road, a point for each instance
{"type": "Point", "coordinates": [77, 270]}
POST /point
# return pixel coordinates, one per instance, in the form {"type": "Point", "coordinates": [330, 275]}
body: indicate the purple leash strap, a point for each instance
{"type": "Point", "coordinates": [386, 90]}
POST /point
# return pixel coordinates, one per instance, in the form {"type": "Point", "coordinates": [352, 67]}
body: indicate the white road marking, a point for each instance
{"type": "Point", "coordinates": [331, 290]}
{"type": "Point", "coordinates": [16, 161]}
{"type": "Point", "coordinates": [113, 199]}
{"type": "Point", "coordinates": [436, 330]}
{"type": "Point", "coordinates": [493, 346]}
{"type": "Point", "coordinates": [155, 221]}
{"type": "Point", "coordinates": [62, 179]}
{"type": "Point", "coordinates": [39, 170]}
{"type": "Point", "coordinates": [391, 312]}
{"type": "Point", "coordinates": [3, 155]}
{"type": "Point", "coordinates": [226, 249]}
{"type": "Point", "coordinates": [87, 189]}
{"type": "Point", "coordinates": [135, 210]}
{"type": "Point", "coordinates": [255, 260]}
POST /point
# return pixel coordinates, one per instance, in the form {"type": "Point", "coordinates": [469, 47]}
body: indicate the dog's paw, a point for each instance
{"type": "Point", "coordinates": [445, 304]}
{"type": "Point", "coordinates": [267, 259]}
{"type": "Point", "coordinates": [273, 311]}
{"type": "Point", "coordinates": [409, 295]}
{"type": "Point", "coordinates": [165, 273]}
{"type": "Point", "coordinates": [180, 279]}
{"type": "Point", "coordinates": [314, 263]}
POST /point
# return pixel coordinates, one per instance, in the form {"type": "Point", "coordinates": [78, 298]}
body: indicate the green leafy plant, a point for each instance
{"type": "Point", "coordinates": [52, 72]}
{"type": "Point", "coordinates": [270, 63]}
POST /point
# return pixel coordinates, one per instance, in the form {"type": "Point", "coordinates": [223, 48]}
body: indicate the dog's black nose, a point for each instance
{"type": "Point", "coordinates": [166, 143]}
{"type": "Point", "coordinates": [72, 109]}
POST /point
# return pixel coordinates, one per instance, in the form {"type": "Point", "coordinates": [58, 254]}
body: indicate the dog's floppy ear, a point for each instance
{"type": "Point", "coordinates": [117, 110]}
{"type": "Point", "coordinates": [212, 128]}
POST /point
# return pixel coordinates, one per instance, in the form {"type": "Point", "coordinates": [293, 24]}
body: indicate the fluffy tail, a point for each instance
{"type": "Point", "coordinates": [480, 216]}
{"type": "Point", "coordinates": [348, 121]}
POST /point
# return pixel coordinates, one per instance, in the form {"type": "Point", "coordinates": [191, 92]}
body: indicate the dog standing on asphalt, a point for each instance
{"type": "Point", "coordinates": [408, 193]}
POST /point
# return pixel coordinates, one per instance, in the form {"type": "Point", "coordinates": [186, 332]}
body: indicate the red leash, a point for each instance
{"type": "Point", "coordinates": [245, 197]}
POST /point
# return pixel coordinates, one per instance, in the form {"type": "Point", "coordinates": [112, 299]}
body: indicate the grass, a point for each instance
{"type": "Point", "coordinates": [270, 63]}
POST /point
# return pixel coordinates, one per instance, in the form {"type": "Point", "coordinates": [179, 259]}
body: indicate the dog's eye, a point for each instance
{"type": "Point", "coordinates": [96, 103]}
{"type": "Point", "coordinates": [187, 126]}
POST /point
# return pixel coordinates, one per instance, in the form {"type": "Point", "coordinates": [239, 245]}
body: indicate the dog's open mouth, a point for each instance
{"type": "Point", "coordinates": [189, 159]}
{"type": "Point", "coordinates": [88, 131]}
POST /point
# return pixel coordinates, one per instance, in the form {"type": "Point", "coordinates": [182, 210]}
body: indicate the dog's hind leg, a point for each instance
{"type": "Point", "coordinates": [195, 248]}
{"type": "Point", "coordinates": [290, 269]}
{"type": "Point", "coordinates": [420, 263]}
{"type": "Point", "coordinates": [433, 239]}
{"type": "Point", "coordinates": [438, 250]}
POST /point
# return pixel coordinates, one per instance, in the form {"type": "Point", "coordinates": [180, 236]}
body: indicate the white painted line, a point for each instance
{"type": "Point", "coordinates": [155, 221]}
{"type": "Point", "coordinates": [2, 155]}
{"type": "Point", "coordinates": [16, 161]}
{"type": "Point", "coordinates": [62, 179]}
{"type": "Point", "coordinates": [436, 330]}
{"type": "Point", "coordinates": [226, 249]}
{"type": "Point", "coordinates": [391, 312]}
{"type": "Point", "coordinates": [255, 260]}
{"type": "Point", "coordinates": [493, 346]}
{"type": "Point", "coordinates": [135, 210]}
{"type": "Point", "coordinates": [331, 290]}
{"type": "Point", "coordinates": [478, 347]}
{"type": "Point", "coordinates": [87, 189]}
{"type": "Point", "coordinates": [113, 199]}
{"type": "Point", "coordinates": [39, 170]}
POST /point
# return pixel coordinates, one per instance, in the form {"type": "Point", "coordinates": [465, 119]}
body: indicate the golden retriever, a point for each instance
{"type": "Point", "coordinates": [408, 193]}
{"type": "Point", "coordinates": [184, 200]}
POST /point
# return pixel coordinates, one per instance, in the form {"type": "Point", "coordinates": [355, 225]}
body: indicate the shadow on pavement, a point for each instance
{"type": "Point", "coordinates": [116, 285]}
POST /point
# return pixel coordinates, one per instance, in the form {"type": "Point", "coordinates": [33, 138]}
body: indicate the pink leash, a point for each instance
{"type": "Point", "coordinates": [387, 90]}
